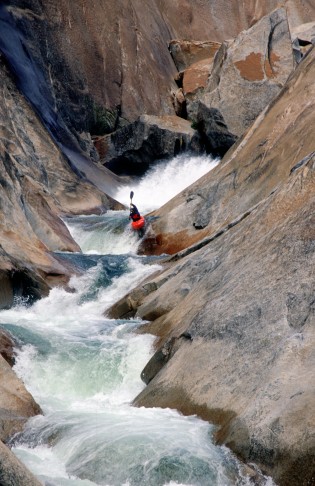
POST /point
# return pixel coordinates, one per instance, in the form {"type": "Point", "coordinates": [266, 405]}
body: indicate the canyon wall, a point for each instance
{"type": "Point", "coordinates": [233, 310]}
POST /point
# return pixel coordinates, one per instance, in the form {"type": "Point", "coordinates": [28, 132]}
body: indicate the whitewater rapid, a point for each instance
{"type": "Point", "coordinates": [84, 368]}
{"type": "Point", "coordinates": [164, 180]}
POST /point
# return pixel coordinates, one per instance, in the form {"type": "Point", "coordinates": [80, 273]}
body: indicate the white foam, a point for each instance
{"type": "Point", "coordinates": [166, 179]}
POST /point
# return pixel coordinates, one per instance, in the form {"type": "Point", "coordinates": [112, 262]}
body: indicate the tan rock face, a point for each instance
{"type": "Point", "coordinates": [196, 76]}
{"type": "Point", "coordinates": [254, 67]}
{"type": "Point", "coordinates": [185, 53]}
{"type": "Point", "coordinates": [241, 312]}
{"type": "Point", "coordinates": [305, 32]}
{"type": "Point", "coordinates": [108, 51]}
{"type": "Point", "coordinates": [278, 139]}
{"type": "Point", "coordinates": [234, 314]}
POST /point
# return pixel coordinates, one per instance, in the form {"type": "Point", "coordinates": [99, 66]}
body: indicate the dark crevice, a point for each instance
{"type": "Point", "coordinates": [208, 240]}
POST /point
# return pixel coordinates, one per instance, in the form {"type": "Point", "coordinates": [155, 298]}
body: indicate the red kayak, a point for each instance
{"type": "Point", "coordinates": [136, 225]}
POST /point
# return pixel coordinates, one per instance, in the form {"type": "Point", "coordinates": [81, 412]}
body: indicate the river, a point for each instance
{"type": "Point", "coordinates": [84, 369]}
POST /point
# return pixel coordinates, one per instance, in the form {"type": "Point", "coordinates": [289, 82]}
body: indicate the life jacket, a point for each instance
{"type": "Point", "coordinates": [135, 216]}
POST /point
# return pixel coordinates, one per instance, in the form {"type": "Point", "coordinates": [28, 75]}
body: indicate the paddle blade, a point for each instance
{"type": "Point", "coordinates": [131, 195]}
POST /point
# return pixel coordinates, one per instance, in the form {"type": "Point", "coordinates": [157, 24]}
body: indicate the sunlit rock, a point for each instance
{"type": "Point", "coordinates": [196, 77]}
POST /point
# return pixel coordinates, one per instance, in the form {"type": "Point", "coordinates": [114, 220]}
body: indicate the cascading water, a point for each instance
{"type": "Point", "coordinates": [84, 370]}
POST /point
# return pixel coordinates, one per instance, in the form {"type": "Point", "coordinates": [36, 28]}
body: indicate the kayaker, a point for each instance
{"type": "Point", "coordinates": [138, 221]}
{"type": "Point", "coordinates": [134, 213]}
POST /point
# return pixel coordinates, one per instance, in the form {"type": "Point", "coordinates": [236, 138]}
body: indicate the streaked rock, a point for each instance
{"type": "Point", "coordinates": [6, 347]}
{"type": "Point", "coordinates": [38, 186]}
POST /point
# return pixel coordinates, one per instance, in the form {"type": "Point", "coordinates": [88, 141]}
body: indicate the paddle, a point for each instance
{"type": "Point", "coordinates": [131, 196]}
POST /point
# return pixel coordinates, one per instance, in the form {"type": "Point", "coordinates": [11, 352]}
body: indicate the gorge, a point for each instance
{"type": "Point", "coordinates": [206, 111]}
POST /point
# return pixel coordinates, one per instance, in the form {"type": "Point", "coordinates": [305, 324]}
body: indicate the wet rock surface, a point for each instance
{"type": "Point", "coordinates": [16, 403]}
{"type": "Point", "coordinates": [6, 346]}
{"type": "Point", "coordinates": [134, 148]}
{"type": "Point", "coordinates": [37, 187]}
{"type": "Point", "coordinates": [13, 472]}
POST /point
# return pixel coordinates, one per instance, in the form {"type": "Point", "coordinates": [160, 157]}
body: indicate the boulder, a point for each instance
{"type": "Point", "coordinates": [250, 71]}
{"type": "Point", "coordinates": [13, 471]}
{"type": "Point", "coordinates": [215, 137]}
{"type": "Point", "coordinates": [16, 403]}
{"type": "Point", "coordinates": [196, 77]}
{"type": "Point", "coordinates": [305, 33]}
{"type": "Point", "coordinates": [6, 346]}
{"type": "Point", "coordinates": [179, 103]}
{"type": "Point", "coordinates": [185, 52]}
{"type": "Point", "coordinates": [132, 149]}
{"type": "Point", "coordinates": [303, 37]}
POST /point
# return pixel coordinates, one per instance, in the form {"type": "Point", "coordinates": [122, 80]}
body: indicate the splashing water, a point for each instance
{"type": "Point", "coordinates": [166, 179]}
{"type": "Point", "coordinates": [84, 370]}
{"type": "Point", "coordinates": [111, 233]}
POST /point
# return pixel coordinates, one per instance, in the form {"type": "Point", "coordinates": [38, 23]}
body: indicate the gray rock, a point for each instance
{"type": "Point", "coordinates": [215, 136]}
{"type": "Point", "coordinates": [250, 71]}
{"type": "Point", "coordinates": [132, 149]}
{"type": "Point", "coordinates": [248, 364]}
{"type": "Point", "coordinates": [13, 472]}
{"type": "Point", "coordinates": [305, 33]}
{"type": "Point", "coordinates": [300, 306]}
{"type": "Point", "coordinates": [16, 403]}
